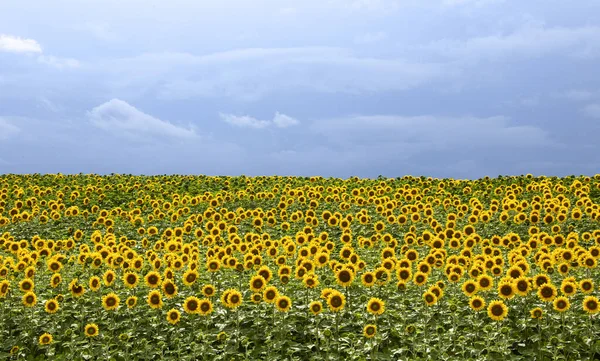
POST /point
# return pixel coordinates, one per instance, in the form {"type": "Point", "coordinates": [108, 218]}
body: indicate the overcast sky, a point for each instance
{"type": "Point", "coordinates": [442, 88]}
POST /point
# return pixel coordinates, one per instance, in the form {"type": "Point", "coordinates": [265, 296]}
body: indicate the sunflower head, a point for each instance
{"type": "Point", "coordinates": [173, 316]}
{"type": "Point", "coordinates": [283, 303]}
{"type": "Point", "coordinates": [45, 339]}
{"type": "Point", "coordinates": [336, 301]}
{"type": "Point", "coordinates": [91, 330]}
{"type": "Point", "coordinates": [591, 305]}
{"type": "Point", "coordinates": [191, 305]}
{"type": "Point", "coordinates": [316, 307]}
{"type": "Point", "coordinates": [536, 312]}
{"type": "Point", "coordinates": [497, 310]}
{"type": "Point", "coordinates": [369, 331]}
{"type": "Point", "coordinates": [375, 306]}
{"type": "Point", "coordinates": [477, 303]}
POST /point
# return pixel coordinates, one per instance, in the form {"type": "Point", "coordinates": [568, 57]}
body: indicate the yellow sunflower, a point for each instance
{"type": "Point", "coordinates": [497, 310]}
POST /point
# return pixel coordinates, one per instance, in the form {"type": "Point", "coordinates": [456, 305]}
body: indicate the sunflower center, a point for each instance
{"type": "Point", "coordinates": [497, 310]}
{"type": "Point", "coordinates": [192, 305]}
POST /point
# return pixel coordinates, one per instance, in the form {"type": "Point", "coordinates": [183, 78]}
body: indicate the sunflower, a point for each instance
{"type": "Point", "coordinates": [310, 281]}
{"type": "Point", "coordinates": [4, 287]}
{"type": "Point", "coordinates": [536, 312]}
{"type": "Point", "coordinates": [77, 290]}
{"type": "Point", "coordinates": [110, 301]}
{"type": "Point", "coordinates": [154, 299]}
{"type": "Point", "coordinates": [152, 279]}
{"type": "Point", "coordinates": [283, 303]}
{"type": "Point", "coordinates": [476, 303]}
{"type": "Point", "coordinates": [91, 330]}
{"type": "Point", "coordinates": [590, 305]}
{"type": "Point", "coordinates": [547, 292]}
{"type": "Point", "coordinates": [94, 283]}
{"type": "Point", "coordinates": [344, 277]}
{"type": "Point", "coordinates": [404, 274]}
{"type": "Point", "coordinates": [586, 285]}
{"type": "Point", "coordinates": [561, 304]}
{"type": "Point", "coordinates": [497, 310]}
{"type": "Point", "coordinates": [213, 265]}
{"type": "Point", "coordinates": [316, 307]}
{"type": "Point", "coordinates": [485, 282]}
{"type": "Point", "coordinates": [369, 331]}
{"type": "Point", "coordinates": [130, 279]}
{"type": "Point", "coordinates": [206, 307]}
{"type": "Point", "coordinates": [336, 301]}
{"type": "Point", "coordinates": [506, 290]}
{"type": "Point", "coordinates": [522, 286]}
{"type": "Point", "coordinates": [540, 280]}
{"type": "Point", "coordinates": [257, 283]}
{"type": "Point", "coordinates": [568, 288]}
{"type": "Point", "coordinates": [375, 306]}
{"type": "Point", "coordinates": [232, 298]}
{"type": "Point", "coordinates": [51, 306]}
{"type": "Point", "coordinates": [208, 290]}
{"type": "Point", "coordinates": [169, 288]}
{"type": "Point", "coordinates": [256, 297]}
{"type": "Point", "coordinates": [26, 285]}
{"type": "Point", "coordinates": [109, 278]}
{"type": "Point", "coordinates": [430, 298]}
{"type": "Point", "coordinates": [420, 278]}
{"type": "Point", "coordinates": [270, 294]}
{"type": "Point", "coordinates": [29, 299]}
{"type": "Point", "coordinates": [173, 316]}
{"type": "Point", "coordinates": [131, 301]}
{"type": "Point", "coordinates": [191, 305]}
{"type": "Point", "coordinates": [469, 288]}
{"type": "Point", "coordinates": [190, 277]}
{"type": "Point", "coordinates": [45, 339]}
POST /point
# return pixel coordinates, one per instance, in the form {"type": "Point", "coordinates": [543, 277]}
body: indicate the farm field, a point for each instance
{"type": "Point", "coordinates": [297, 268]}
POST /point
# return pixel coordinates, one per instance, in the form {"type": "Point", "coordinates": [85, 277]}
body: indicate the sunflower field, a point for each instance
{"type": "Point", "coordinates": [123, 267]}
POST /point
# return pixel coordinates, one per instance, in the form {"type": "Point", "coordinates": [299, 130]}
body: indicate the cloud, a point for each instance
{"type": "Point", "coordinates": [530, 41]}
{"type": "Point", "coordinates": [58, 62]}
{"type": "Point", "coordinates": [592, 111]}
{"type": "Point", "coordinates": [7, 129]}
{"type": "Point", "coordinates": [14, 44]}
{"type": "Point", "coordinates": [252, 74]}
{"type": "Point", "coordinates": [369, 38]}
{"type": "Point", "coordinates": [284, 121]}
{"type": "Point", "coordinates": [118, 117]}
{"type": "Point", "coordinates": [579, 95]}
{"type": "Point", "coordinates": [244, 121]}
{"type": "Point", "coordinates": [431, 132]}
{"type": "Point", "coordinates": [469, 2]}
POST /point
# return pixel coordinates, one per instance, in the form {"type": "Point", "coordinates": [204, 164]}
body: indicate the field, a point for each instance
{"type": "Point", "coordinates": [293, 268]}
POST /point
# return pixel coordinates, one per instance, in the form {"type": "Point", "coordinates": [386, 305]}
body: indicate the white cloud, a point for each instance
{"type": "Point", "coordinates": [369, 38]}
{"type": "Point", "coordinates": [58, 62]}
{"type": "Point", "coordinates": [592, 111]}
{"type": "Point", "coordinates": [118, 117]}
{"type": "Point", "coordinates": [579, 95]}
{"type": "Point", "coordinates": [244, 121]}
{"type": "Point", "coordinates": [284, 121]}
{"type": "Point", "coordinates": [530, 41]}
{"type": "Point", "coordinates": [427, 132]}
{"type": "Point", "coordinates": [7, 129]}
{"type": "Point", "coordinates": [250, 74]}
{"type": "Point", "coordinates": [14, 44]}
{"type": "Point", "coordinates": [469, 2]}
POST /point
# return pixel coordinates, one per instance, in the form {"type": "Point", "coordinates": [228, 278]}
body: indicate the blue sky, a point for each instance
{"type": "Point", "coordinates": [443, 88]}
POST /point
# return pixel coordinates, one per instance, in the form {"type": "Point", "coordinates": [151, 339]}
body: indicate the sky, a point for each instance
{"type": "Point", "coordinates": [337, 88]}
